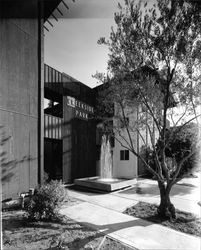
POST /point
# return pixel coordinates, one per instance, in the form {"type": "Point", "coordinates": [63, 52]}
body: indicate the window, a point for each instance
{"type": "Point", "coordinates": [124, 155]}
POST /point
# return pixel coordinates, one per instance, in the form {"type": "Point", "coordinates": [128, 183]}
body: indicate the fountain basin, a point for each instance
{"type": "Point", "coordinates": [104, 184]}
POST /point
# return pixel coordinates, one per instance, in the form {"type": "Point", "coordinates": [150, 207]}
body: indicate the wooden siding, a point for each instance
{"type": "Point", "coordinates": [52, 127]}
{"type": "Point", "coordinates": [79, 145]}
{"type": "Point", "coordinates": [76, 129]}
{"type": "Point", "coordinates": [53, 79]}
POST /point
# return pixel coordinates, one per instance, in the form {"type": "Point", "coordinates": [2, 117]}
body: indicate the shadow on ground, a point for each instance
{"type": "Point", "coordinates": [152, 190]}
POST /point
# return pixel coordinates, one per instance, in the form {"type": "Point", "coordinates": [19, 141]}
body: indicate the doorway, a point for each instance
{"type": "Point", "coordinates": [53, 158]}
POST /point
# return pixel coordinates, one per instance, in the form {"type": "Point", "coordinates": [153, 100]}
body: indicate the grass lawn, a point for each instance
{"type": "Point", "coordinates": [185, 222]}
{"type": "Point", "coordinates": [64, 233]}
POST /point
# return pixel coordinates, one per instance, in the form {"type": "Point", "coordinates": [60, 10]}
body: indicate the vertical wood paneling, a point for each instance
{"type": "Point", "coordinates": [53, 76]}
{"type": "Point", "coordinates": [52, 125]}
{"type": "Point", "coordinates": [53, 79]}
{"type": "Point", "coordinates": [60, 77]}
{"type": "Point", "coordinates": [46, 73]}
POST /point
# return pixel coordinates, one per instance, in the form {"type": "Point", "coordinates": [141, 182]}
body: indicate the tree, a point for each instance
{"type": "Point", "coordinates": [154, 73]}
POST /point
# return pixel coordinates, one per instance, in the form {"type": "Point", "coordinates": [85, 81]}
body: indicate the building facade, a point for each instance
{"type": "Point", "coordinates": [72, 135]}
{"type": "Point", "coordinates": [60, 139]}
{"type": "Point", "coordinates": [21, 93]}
{"type": "Point", "coordinates": [69, 127]}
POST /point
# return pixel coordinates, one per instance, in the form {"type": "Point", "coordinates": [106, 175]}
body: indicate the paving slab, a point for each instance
{"type": "Point", "coordinates": [135, 232]}
{"type": "Point", "coordinates": [185, 198]}
{"type": "Point", "coordinates": [193, 181]}
{"type": "Point", "coordinates": [105, 200]}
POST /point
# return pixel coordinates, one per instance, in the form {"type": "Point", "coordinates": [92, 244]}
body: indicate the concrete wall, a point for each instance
{"type": "Point", "coordinates": [125, 168]}
{"type": "Point", "coordinates": [19, 104]}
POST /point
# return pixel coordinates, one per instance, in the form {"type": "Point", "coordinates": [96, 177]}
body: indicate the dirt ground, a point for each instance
{"type": "Point", "coordinates": [184, 222]}
{"type": "Point", "coordinates": [19, 233]}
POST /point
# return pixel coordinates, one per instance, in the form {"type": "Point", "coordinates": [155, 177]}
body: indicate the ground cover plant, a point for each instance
{"type": "Point", "coordinates": [40, 226]}
{"type": "Point", "coordinates": [184, 222]}
{"type": "Point", "coordinates": [63, 233]}
{"type": "Point", "coordinates": [111, 244]}
{"type": "Point", "coordinates": [20, 233]}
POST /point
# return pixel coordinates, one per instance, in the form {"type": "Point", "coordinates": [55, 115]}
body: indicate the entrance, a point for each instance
{"type": "Point", "coordinates": [53, 158]}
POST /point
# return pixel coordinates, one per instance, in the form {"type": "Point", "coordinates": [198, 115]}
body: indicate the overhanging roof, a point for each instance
{"type": "Point", "coordinates": [27, 8]}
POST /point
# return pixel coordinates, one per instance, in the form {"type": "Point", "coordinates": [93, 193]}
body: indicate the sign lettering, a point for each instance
{"type": "Point", "coordinates": [81, 109]}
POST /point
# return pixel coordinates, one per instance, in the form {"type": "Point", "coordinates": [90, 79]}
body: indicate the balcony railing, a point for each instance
{"type": "Point", "coordinates": [52, 127]}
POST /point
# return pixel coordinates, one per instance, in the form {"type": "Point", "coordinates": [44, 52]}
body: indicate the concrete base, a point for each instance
{"type": "Point", "coordinates": [107, 185]}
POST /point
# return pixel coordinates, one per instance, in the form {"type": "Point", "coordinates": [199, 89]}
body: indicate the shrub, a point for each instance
{"type": "Point", "coordinates": [182, 143]}
{"type": "Point", "coordinates": [46, 201]}
{"type": "Point", "coordinates": [148, 155]}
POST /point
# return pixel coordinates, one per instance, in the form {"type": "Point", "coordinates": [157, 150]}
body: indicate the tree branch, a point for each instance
{"type": "Point", "coordinates": [149, 108]}
{"type": "Point", "coordinates": [126, 125]}
{"type": "Point", "coordinates": [156, 153]}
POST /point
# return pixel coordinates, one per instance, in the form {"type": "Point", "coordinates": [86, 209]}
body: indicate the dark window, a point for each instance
{"type": "Point", "coordinates": [124, 155]}
{"type": "Point", "coordinates": [126, 152]}
{"type": "Point", "coordinates": [121, 155]}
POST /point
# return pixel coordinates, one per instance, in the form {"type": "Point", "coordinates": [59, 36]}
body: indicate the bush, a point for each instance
{"type": "Point", "coordinates": [46, 201]}
{"type": "Point", "coordinates": [148, 155]}
{"type": "Point", "coordinates": [181, 144]}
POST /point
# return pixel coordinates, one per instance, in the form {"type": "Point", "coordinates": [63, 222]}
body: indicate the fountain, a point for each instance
{"type": "Point", "coordinates": [105, 181]}
{"type": "Point", "coordinates": [105, 169]}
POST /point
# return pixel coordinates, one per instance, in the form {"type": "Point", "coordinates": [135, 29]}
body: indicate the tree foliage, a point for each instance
{"type": "Point", "coordinates": [153, 72]}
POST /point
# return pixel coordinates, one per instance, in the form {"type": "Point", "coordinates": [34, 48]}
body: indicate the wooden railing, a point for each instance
{"type": "Point", "coordinates": [52, 127]}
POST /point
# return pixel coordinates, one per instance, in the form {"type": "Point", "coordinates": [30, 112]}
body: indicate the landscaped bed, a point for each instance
{"type": "Point", "coordinates": [63, 233]}
{"type": "Point", "coordinates": [185, 222]}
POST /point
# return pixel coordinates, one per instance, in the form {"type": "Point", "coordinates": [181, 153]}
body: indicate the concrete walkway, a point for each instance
{"type": "Point", "coordinates": [103, 212]}
{"type": "Point", "coordinates": [184, 197]}
{"type": "Point", "coordinates": [191, 181]}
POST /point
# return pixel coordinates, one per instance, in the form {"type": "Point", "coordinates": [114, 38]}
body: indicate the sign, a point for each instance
{"type": "Point", "coordinates": [81, 109]}
{"type": "Point", "coordinates": [71, 101]}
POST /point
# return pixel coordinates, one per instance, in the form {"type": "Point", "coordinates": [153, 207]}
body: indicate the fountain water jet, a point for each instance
{"type": "Point", "coordinates": [105, 180]}
{"type": "Point", "coordinates": [105, 169]}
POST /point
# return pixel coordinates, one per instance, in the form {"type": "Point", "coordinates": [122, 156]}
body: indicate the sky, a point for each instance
{"type": "Point", "coordinates": [71, 45]}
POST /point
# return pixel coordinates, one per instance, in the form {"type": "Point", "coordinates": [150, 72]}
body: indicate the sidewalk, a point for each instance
{"type": "Point", "coordinates": [135, 232]}
{"type": "Point", "coordinates": [191, 181]}
{"type": "Point", "coordinates": [184, 197]}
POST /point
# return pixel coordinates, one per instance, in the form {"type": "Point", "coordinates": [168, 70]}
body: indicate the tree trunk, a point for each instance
{"type": "Point", "coordinates": [166, 209]}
